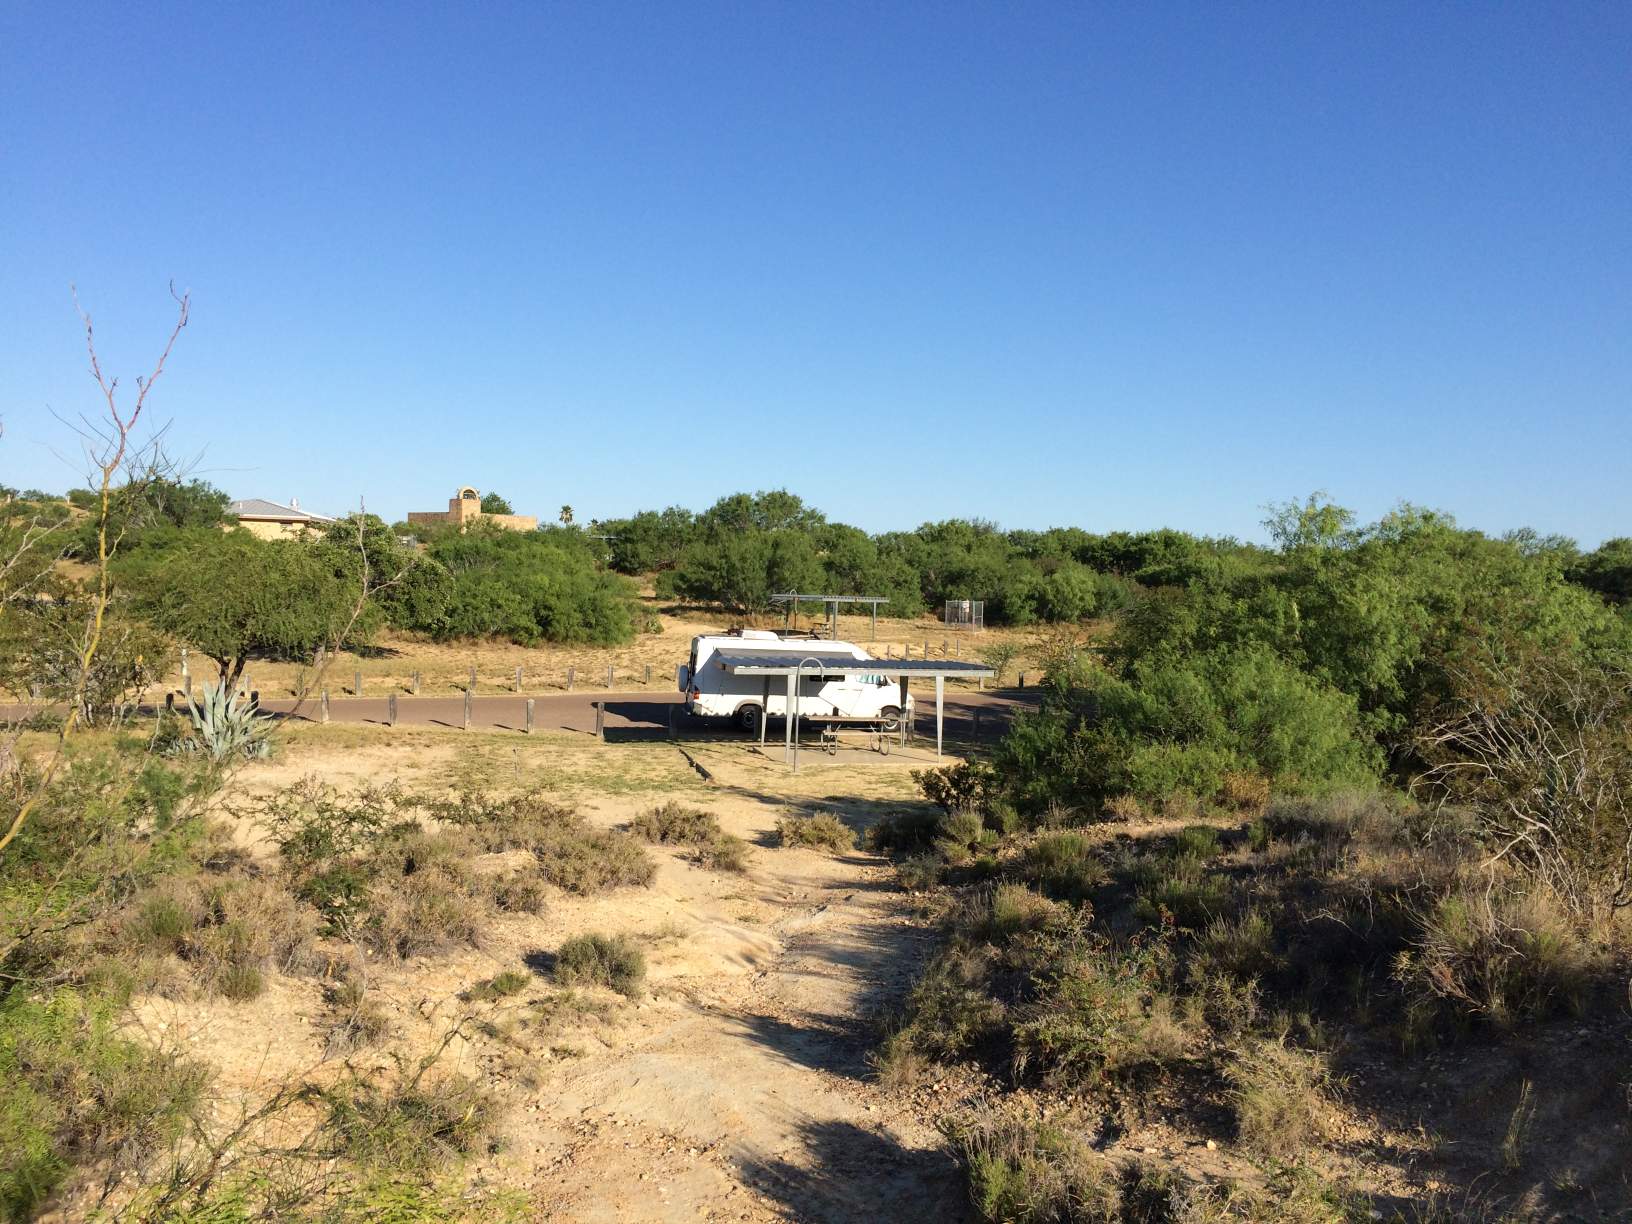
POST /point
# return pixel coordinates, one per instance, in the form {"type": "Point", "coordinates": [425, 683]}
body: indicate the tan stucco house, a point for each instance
{"type": "Point", "coordinates": [274, 521]}
{"type": "Point", "coordinates": [465, 508]}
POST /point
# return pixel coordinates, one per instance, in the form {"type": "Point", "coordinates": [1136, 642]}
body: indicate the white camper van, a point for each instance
{"type": "Point", "coordinates": [713, 692]}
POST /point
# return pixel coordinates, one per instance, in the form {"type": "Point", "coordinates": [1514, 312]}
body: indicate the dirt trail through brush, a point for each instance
{"type": "Point", "coordinates": [751, 1102]}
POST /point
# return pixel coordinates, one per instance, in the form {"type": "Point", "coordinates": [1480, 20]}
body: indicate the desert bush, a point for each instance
{"type": "Point", "coordinates": [1498, 954]}
{"type": "Point", "coordinates": [1243, 947]}
{"type": "Point", "coordinates": [724, 852]}
{"type": "Point", "coordinates": [1023, 1170]}
{"type": "Point", "coordinates": [413, 1126]}
{"type": "Point", "coordinates": [910, 831]}
{"type": "Point", "coordinates": [1539, 744]}
{"type": "Point", "coordinates": [1015, 909]}
{"type": "Point", "coordinates": [1196, 841]}
{"type": "Point", "coordinates": [226, 930]}
{"type": "Point", "coordinates": [950, 1012]}
{"type": "Point", "coordinates": [433, 910]}
{"type": "Point", "coordinates": [966, 786]}
{"type": "Point", "coordinates": [358, 1021]}
{"type": "Point", "coordinates": [584, 860]}
{"type": "Point", "coordinates": [500, 986]}
{"type": "Point", "coordinates": [674, 823]}
{"type": "Point", "coordinates": [613, 961]}
{"type": "Point", "coordinates": [520, 892]}
{"type": "Point", "coordinates": [73, 1090]}
{"type": "Point", "coordinates": [1245, 792]}
{"type": "Point", "coordinates": [1125, 808]}
{"type": "Point", "coordinates": [962, 835]}
{"type": "Point", "coordinates": [1102, 1015]}
{"type": "Point", "coordinates": [1066, 866]}
{"type": "Point", "coordinates": [1279, 1096]}
{"type": "Point", "coordinates": [919, 872]}
{"type": "Point", "coordinates": [822, 831]}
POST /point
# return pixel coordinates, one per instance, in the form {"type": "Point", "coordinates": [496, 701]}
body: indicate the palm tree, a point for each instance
{"type": "Point", "coordinates": [566, 516]}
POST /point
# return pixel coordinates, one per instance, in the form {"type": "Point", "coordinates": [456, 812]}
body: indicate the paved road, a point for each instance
{"type": "Point", "coordinates": [628, 715]}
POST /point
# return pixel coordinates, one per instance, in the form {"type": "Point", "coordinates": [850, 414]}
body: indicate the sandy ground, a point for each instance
{"type": "Point", "coordinates": [737, 1087]}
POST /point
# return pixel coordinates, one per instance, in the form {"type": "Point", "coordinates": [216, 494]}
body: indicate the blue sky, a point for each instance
{"type": "Point", "coordinates": [1116, 266]}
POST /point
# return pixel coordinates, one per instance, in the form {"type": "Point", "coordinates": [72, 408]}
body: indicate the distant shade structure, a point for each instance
{"type": "Point", "coordinates": [966, 614]}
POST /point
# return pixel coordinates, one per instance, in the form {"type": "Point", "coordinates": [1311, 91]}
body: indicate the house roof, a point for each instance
{"type": "Point", "coordinates": [271, 511]}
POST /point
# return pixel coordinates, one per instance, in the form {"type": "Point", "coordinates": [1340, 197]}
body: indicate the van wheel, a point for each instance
{"type": "Point", "coordinates": [892, 717]}
{"type": "Point", "coordinates": [748, 718]}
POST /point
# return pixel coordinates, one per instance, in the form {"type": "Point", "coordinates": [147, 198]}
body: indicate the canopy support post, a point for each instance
{"type": "Point", "coordinates": [940, 698]}
{"type": "Point", "coordinates": [787, 720]}
{"type": "Point", "coordinates": [764, 711]}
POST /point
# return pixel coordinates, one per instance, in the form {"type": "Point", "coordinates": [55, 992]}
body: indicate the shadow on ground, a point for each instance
{"type": "Point", "coordinates": [847, 1172]}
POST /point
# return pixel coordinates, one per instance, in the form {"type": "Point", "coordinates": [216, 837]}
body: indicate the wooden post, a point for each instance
{"type": "Point", "coordinates": [391, 710]}
{"type": "Point", "coordinates": [600, 721]}
{"type": "Point", "coordinates": [1022, 679]}
{"type": "Point", "coordinates": [572, 674]}
{"type": "Point", "coordinates": [518, 679]}
{"type": "Point", "coordinates": [469, 697]}
{"type": "Point", "coordinates": [529, 727]}
{"type": "Point", "coordinates": [609, 675]}
{"type": "Point", "coordinates": [414, 686]}
{"type": "Point", "coordinates": [944, 653]}
{"type": "Point", "coordinates": [357, 683]}
{"type": "Point", "coordinates": [957, 648]}
{"type": "Point", "coordinates": [323, 706]}
{"type": "Point", "coordinates": [648, 673]}
{"type": "Point", "coordinates": [471, 687]}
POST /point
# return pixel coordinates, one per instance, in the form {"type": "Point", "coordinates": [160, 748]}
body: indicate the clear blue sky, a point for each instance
{"type": "Point", "coordinates": [1106, 265]}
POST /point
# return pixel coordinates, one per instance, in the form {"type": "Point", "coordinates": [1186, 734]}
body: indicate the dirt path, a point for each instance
{"type": "Point", "coordinates": [749, 1100]}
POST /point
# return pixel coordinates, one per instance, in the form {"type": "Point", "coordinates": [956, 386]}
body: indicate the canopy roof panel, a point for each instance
{"type": "Point", "coordinates": [766, 664]}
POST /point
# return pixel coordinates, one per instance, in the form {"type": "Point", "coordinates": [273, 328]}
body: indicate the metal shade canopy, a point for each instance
{"type": "Point", "coordinates": [796, 667]}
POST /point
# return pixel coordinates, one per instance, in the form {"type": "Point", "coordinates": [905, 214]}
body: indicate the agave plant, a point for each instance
{"type": "Point", "coordinates": [226, 725]}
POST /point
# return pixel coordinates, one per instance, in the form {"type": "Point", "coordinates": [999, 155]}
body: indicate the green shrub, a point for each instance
{"type": "Point", "coordinates": [919, 872]}
{"type": "Point", "coordinates": [73, 1091]}
{"type": "Point", "coordinates": [613, 961]}
{"type": "Point", "coordinates": [410, 1127]}
{"type": "Point", "coordinates": [500, 986]}
{"type": "Point", "coordinates": [1102, 1015]}
{"type": "Point", "coordinates": [723, 852]}
{"type": "Point", "coordinates": [674, 823]}
{"type": "Point", "coordinates": [1243, 947]}
{"type": "Point", "coordinates": [1196, 841]}
{"type": "Point", "coordinates": [966, 786]}
{"type": "Point", "coordinates": [582, 860]}
{"type": "Point", "coordinates": [963, 836]}
{"type": "Point", "coordinates": [1022, 1170]}
{"type": "Point", "coordinates": [822, 831]}
{"type": "Point", "coordinates": [1066, 866]}
{"type": "Point", "coordinates": [1279, 1095]}
{"type": "Point", "coordinates": [1498, 956]}
{"type": "Point", "coordinates": [906, 831]}
{"type": "Point", "coordinates": [1016, 910]}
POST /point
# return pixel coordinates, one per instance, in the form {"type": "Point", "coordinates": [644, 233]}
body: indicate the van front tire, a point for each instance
{"type": "Point", "coordinates": [892, 718]}
{"type": "Point", "coordinates": [747, 719]}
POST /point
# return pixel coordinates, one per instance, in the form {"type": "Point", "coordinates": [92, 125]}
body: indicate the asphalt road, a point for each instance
{"type": "Point", "coordinates": [628, 715]}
